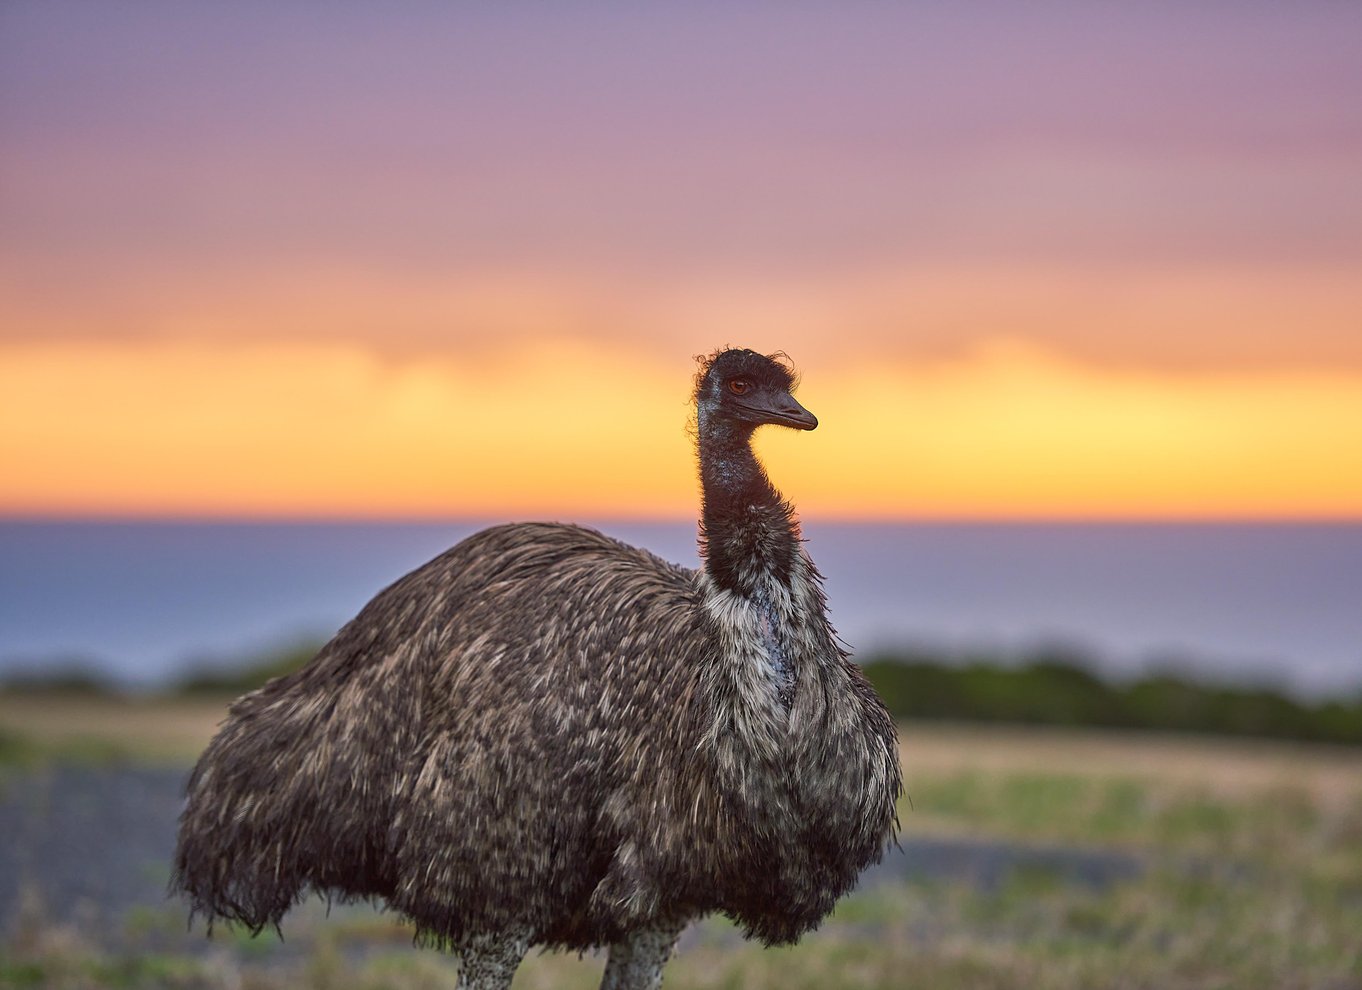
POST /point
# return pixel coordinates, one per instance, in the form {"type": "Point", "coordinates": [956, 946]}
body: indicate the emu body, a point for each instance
{"type": "Point", "coordinates": [545, 736]}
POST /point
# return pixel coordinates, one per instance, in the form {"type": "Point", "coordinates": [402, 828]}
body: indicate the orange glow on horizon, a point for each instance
{"type": "Point", "coordinates": [570, 430]}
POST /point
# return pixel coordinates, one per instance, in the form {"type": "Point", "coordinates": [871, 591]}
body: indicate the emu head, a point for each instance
{"type": "Point", "coordinates": [737, 390]}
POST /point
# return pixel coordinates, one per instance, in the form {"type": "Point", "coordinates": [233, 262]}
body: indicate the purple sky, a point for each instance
{"type": "Point", "coordinates": [165, 160]}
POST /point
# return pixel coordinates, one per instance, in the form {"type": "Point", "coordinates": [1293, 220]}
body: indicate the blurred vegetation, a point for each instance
{"type": "Point", "coordinates": [1200, 864]}
{"type": "Point", "coordinates": [1049, 687]}
{"type": "Point", "coordinates": [218, 677]}
{"type": "Point", "coordinates": [1256, 886]}
{"type": "Point", "coordinates": [1059, 688]}
{"type": "Point", "coordinates": [65, 676]}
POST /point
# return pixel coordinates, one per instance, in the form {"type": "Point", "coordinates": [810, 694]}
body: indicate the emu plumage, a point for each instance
{"type": "Point", "coordinates": [545, 736]}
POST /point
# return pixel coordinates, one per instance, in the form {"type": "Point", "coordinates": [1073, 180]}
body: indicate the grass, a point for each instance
{"type": "Point", "coordinates": [102, 727]}
{"type": "Point", "coordinates": [1251, 877]}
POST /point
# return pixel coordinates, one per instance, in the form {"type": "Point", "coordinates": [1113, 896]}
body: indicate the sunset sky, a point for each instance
{"type": "Point", "coordinates": [433, 260]}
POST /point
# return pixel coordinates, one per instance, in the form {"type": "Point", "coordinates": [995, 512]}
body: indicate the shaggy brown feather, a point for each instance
{"type": "Point", "coordinates": [545, 730]}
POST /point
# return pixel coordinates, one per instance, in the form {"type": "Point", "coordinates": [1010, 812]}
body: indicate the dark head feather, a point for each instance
{"type": "Point", "coordinates": [776, 370]}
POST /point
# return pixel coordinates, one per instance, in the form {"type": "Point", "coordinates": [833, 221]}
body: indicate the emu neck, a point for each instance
{"type": "Point", "coordinates": [749, 536]}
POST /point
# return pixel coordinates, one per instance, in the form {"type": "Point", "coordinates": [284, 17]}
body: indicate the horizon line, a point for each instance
{"type": "Point", "coordinates": [488, 519]}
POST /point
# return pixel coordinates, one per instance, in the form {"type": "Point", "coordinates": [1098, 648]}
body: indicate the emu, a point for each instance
{"type": "Point", "coordinates": [548, 737]}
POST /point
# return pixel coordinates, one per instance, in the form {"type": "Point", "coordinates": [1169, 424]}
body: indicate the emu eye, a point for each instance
{"type": "Point", "coordinates": [739, 385]}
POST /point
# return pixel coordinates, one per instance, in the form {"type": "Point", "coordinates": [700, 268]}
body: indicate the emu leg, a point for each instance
{"type": "Point", "coordinates": [488, 962]}
{"type": "Point", "coordinates": [636, 963]}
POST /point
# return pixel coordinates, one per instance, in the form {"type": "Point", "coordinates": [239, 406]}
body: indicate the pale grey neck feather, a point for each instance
{"type": "Point", "coordinates": [770, 643]}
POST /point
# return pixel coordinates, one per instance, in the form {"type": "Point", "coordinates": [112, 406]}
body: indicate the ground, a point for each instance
{"type": "Point", "coordinates": [1043, 859]}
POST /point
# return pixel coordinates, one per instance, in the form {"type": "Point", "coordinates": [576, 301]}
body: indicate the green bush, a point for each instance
{"type": "Point", "coordinates": [240, 678]}
{"type": "Point", "coordinates": [64, 676]}
{"type": "Point", "coordinates": [1058, 688]}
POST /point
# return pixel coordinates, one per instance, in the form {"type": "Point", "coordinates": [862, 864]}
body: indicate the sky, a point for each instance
{"type": "Point", "coordinates": [428, 260]}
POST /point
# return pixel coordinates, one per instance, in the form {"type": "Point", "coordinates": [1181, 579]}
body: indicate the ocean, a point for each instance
{"type": "Point", "coordinates": [1281, 604]}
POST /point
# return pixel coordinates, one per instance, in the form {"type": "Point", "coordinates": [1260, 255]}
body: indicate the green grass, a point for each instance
{"type": "Point", "coordinates": [1278, 820]}
{"type": "Point", "coordinates": [1251, 879]}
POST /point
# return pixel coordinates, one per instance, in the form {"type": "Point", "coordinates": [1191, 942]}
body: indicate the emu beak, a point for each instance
{"type": "Point", "coordinates": [788, 412]}
{"type": "Point", "coordinates": [778, 409]}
